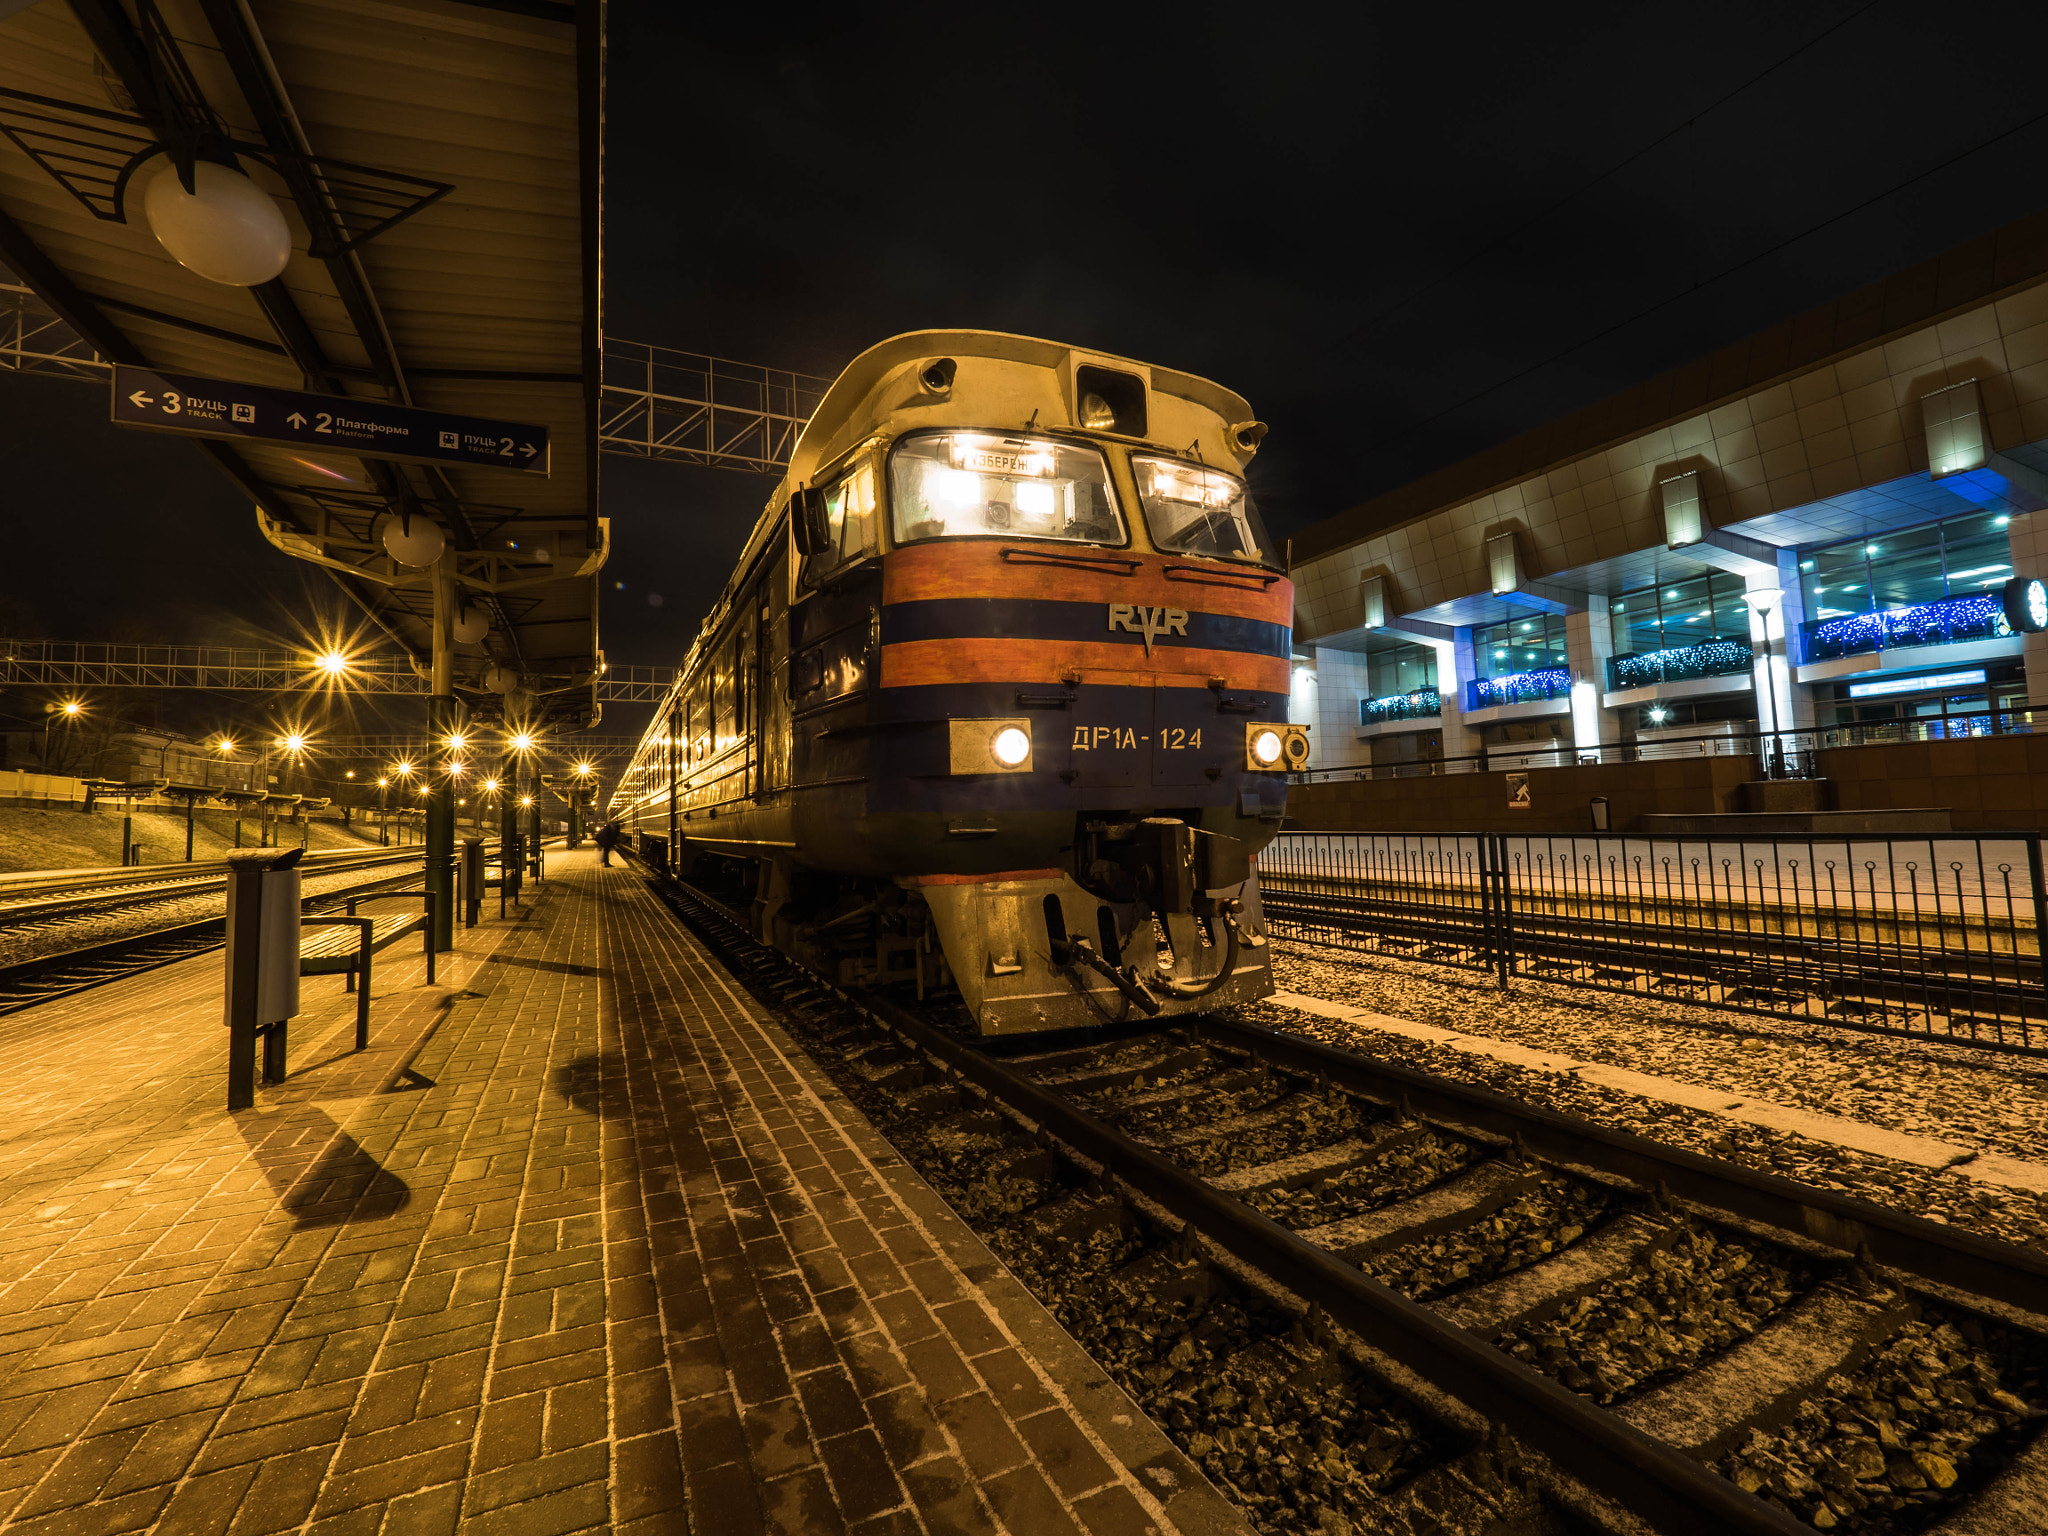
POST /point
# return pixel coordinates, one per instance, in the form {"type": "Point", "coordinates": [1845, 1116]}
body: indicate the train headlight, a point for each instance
{"type": "Point", "coordinates": [989, 746]}
{"type": "Point", "coordinates": [1275, 748]}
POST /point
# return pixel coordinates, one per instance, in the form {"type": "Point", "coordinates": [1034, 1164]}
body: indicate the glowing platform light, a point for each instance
{"type": "Point", "coordinates": [333, 663]}
{"type": "Point", "coordinates": [522, 742]}
{"type": "Point", "coordinates": [457, 741]}
{"type": "Point", "coordinates": [1943, 681]}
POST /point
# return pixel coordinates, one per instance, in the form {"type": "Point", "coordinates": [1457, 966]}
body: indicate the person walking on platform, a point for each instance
{"type": "Point", "coordinates": [606, 837]}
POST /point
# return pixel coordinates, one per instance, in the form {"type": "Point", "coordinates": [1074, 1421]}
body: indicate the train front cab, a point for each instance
{"type": "Point", "coordinates": [1058, 724]}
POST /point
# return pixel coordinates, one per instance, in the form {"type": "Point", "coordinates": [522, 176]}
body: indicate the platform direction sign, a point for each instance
{"type": "Point", "coordinates": [183, 402]}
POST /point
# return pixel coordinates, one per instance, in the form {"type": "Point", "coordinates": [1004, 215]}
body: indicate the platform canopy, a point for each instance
{"type": "Point", "coordinates": [438, 166]}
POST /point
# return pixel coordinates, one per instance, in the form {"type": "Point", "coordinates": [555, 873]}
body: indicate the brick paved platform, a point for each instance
{"type": "Point", "coordinates": [580, 1243]}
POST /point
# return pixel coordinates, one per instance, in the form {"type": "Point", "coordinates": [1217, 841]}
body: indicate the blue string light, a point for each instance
{"type": "Point", "coordinates": [1678, 663]}
{"type": "Point", "coordinates": [1518, 688]}
{"type": "Point", "coordinates": [1948, 622]}
{"type": "Point", "coordinates": [1423, 702]}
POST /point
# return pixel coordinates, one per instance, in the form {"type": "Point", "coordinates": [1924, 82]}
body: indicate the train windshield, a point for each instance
{"type": "Point", "coordinates": [965, 485]}
{"type": "Point", "coordinates": [1196, 511]}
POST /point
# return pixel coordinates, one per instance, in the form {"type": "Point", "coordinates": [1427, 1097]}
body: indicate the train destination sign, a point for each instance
{"type": "Point", "coordinates": [181, 402]}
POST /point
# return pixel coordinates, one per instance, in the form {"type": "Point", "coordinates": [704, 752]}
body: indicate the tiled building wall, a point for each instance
{"type": "Point", "coordinates": [1340, 684]}
{"type": "Point", "coordinates": [1850, 423]}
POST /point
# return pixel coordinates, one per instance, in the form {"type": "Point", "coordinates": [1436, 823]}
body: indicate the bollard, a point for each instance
{"type": "Point", "coordinates": [472, 879]}
{"type": "Point", "coordinates": [262, 991]}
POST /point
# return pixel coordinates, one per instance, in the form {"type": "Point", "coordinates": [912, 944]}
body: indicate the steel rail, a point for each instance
{"type": "Point", "coordinates": [1926, 1249]}
{"type": "Point", "coordinates": [1557, 936]}
{"type": "Point", "coordinates": [111, 951]}
{"type": "Point", "coordinates": [1985, 978]}
{"type": "Point", "coordinates": [21, 906]}
{"type": "Point", "coordinates": [1655, 1481]}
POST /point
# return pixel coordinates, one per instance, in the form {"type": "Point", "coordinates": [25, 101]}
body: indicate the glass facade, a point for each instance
{"type": "Point", "coordinates": [1698, 627]}
{"type": "Point", "coordinates": [1937, 584]}
{"type": "Point", "coordinates": [1928, 707]}
{"type": "Point", "coordinates": [1402, 681]}
{"type": "Point", "coordinates": [1519, 662]}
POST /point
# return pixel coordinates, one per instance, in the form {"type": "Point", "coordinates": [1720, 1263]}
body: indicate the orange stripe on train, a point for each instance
{"type": "Point", "coordinates": [920, 663]}
{"type": "Point", "coordinates": [962, 569]}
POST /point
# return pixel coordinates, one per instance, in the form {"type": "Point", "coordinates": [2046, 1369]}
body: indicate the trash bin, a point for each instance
{"type": "Point", "coordinates": [472, 879]}
{"type": "Point", "coordinates": [1600, 813]}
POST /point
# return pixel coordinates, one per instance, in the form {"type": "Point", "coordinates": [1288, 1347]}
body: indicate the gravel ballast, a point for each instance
{"type": "Point", "coordinates": [1975, 1098]}
{"type": "Point", "coordinates": [32, 941]}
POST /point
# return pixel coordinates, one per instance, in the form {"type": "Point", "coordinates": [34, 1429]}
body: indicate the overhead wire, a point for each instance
{"type": "Point", "coordinates": [1690, 122]}
{"type": "Point", "coordinates": [1727, 271]}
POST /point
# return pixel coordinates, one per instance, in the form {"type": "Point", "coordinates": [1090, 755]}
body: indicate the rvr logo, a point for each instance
{"type": "Point", "coordinates": [1149, 622]}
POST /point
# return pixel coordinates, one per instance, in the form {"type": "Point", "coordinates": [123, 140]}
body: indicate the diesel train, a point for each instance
{"type": "Point", "coordinates": [995, 701]}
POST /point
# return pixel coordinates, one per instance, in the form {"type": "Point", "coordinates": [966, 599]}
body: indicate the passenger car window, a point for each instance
{"type": "Point", "coordinates": [849, 523]}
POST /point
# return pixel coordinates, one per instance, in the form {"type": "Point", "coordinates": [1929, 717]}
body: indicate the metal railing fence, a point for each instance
{"type": "Point", "coordinates": [1786, 754]}
{"type": "Point", "coordinates": [1930, 936]}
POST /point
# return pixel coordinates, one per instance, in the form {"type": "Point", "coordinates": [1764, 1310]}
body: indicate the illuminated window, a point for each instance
{"type": "Point", "coordinates": [1521, 645]}
{"type": "Point", "coordinates": [953, 485]}
{"type": "Point", "coordinates": [1197, 511]}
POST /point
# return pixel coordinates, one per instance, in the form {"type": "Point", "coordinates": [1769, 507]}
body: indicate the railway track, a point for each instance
{"type": "Point", "coordinates": [1865, 983]}
{"type": "Point", "coordinates": [47, 977]}
{"type": "Point", "coordinates": [1365, 1299]}
{"type": "Point", "coordinates": [97, 891]}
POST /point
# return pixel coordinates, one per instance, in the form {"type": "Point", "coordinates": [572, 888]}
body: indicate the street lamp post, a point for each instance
{"type": "Point", "coordinates": [576, 796]}
{"type": "Point", "coordinates": [1763, 601]}
{"type": "Point", "coordinates": [68, 711]}
{"type": "Point", "coordinates": [404, 771]}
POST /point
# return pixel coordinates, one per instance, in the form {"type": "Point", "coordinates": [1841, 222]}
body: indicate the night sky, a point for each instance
{"type": "Point", "coordinates": [1401, 233]}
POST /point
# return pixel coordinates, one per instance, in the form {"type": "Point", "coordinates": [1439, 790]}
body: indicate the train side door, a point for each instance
{"type": "Point", "coordinates": [775, 679]}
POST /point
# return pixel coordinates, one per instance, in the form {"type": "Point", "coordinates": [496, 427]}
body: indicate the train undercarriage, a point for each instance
{"type": "Point", "coordinates": [1154, 917]}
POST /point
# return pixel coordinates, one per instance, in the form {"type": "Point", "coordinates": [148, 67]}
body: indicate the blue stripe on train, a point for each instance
{"type": "Point", "coordinates": [1124, 747]}
{"type": "Point", "coordinates": [1032, 618]}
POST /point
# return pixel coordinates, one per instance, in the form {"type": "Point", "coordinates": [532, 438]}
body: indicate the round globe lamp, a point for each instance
{"type": "Point", "coordinates": [421, 544]}
{"type": "Point", "coordinates": [227, 229]}
{"type": "Point", "coordinates": [470, 626]}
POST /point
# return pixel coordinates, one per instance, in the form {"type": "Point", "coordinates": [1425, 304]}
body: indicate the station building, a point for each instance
{"type": "Point", "coordinates": [1812, 542]}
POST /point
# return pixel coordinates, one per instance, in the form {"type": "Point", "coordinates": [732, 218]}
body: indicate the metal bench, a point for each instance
{"type": "Point", "coordinates": [348, 953]}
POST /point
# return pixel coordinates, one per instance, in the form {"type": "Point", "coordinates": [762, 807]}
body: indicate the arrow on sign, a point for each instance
{"type": "Point", "coordinates": [141, 399]}
{"type": "Point", "coordinates": [528, 449]}
{"type": "Point", "coordinates": [296, 419]}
